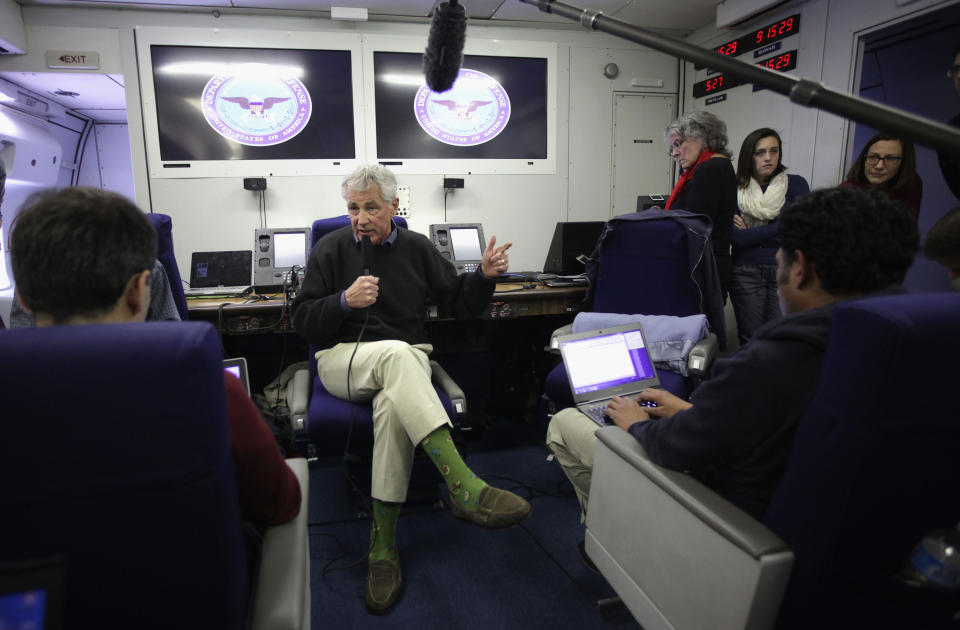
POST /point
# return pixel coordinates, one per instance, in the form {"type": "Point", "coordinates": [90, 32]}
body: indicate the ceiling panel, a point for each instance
{"type": "Point", "coordinates": [516, 10]}
{"type": "Point", "coordinates": [404, 8]}
{"type": "Point", "coordinates": [93, 92]}
{"type": "Point", "coordinates": [685, 15]}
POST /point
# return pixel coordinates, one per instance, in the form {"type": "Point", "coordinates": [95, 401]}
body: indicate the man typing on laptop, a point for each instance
{"type": "Point", "coordinates": [736, 432]}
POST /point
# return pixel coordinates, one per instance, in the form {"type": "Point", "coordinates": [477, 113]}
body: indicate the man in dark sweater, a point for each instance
{"type": "Point", "coordinates": [736, 431]}
{"type": "Point", "coordinates": [370, 322]}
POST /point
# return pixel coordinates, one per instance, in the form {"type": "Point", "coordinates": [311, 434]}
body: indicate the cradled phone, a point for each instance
{"type": "Point", "coordinates": [460, 243]}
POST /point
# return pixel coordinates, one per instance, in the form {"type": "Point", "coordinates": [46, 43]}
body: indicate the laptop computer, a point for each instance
{"type": "Point", "coordinates": [604, 363]}
{"type": "Point", "coordinates": [220, 273]}
{"type": "Point", "coordinates": [238, 367]}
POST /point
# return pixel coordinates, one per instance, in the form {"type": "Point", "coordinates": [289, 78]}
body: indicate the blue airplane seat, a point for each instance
{"type": "Point", "coordinates": [120, 468]}
{"type": "Point", "coordinates": [653, 262]}
{"type": "Point", "coordinates": [164, 227]}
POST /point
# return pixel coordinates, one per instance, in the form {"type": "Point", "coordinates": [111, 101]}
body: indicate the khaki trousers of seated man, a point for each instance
{"type": "Point", "coordinates": [396, 377]}
{"type": "Point", "coordinates": [571, 436]}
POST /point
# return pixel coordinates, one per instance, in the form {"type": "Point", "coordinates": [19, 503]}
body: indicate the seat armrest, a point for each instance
{"type": "Point", "coordinates": [282, 597]}
{"type": "Point", "coordinates": [703, 354]}
{"type": "Point", "coordinates": [554, 346]}
{"type": "Point", "coordinates": [443, 380]}
{"type": "Point", "coordinates": [298, 398]}
{"type": "Point", "coordinates": [724, 517]}
{"type": "Point", "coordinates": [650, 529]}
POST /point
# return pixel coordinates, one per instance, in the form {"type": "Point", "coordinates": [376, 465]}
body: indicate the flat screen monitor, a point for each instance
{"type": "Point", "coordinates": [460, 243]}
{"type": "Point", "coordinates": [224, 103]}
{"type": "Point", "coordinates": [290, 249]}
{"type": "Point", "coordinates": [497, 109]}
{"type": "Point", "coordinates": [278, 252]}
{"type": "Point", "coordinates": [216, 103]}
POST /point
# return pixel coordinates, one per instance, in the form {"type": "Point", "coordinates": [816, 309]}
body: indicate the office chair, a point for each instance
{"type": "Point", "coordinates": [119, 466]}
{"type": "Point", "coordinates": [874, 466]}
{"type": "Point", "coordinates": [324, 421]}
{"type": "Point", "coordinates": [654, 262]}
{"type": "Point", "coordinates": [164, 227]}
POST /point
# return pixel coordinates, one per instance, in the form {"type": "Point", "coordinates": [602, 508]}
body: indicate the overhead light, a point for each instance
{"type": "Point", "coordinates": [348, 13]}
{"type": "Point", "coordinates": [5, 98]}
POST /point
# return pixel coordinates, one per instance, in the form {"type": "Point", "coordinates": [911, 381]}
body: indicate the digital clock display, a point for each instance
{"type": "Point", "coordinates": [783, 62]}
{"type": "Point", "coordinates": [759, 37]}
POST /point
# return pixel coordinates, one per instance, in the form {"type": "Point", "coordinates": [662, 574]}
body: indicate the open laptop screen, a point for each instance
{"type": "Point", "coordinates": [607, 360]}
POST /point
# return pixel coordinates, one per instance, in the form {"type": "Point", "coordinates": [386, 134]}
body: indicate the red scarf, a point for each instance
{"type": "Point", "coordinates": [687, 174]}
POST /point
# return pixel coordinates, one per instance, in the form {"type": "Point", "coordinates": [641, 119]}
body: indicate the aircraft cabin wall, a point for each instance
{"type": "Point", "coordinates": [216, 213]}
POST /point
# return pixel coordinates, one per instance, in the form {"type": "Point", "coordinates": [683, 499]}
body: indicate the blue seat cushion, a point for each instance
{"type": "Point", "coordinates": [329, 418]}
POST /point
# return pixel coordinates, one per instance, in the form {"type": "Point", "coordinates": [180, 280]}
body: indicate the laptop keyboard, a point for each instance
{"type": "Point", "coordinates": [598, 413]}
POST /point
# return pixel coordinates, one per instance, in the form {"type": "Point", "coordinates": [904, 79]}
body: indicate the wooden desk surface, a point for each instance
{"type": "Point", "coordinates": [509, 300]}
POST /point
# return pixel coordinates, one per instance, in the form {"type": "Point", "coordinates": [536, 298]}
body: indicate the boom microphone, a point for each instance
{"type": "Point", "coordinates": [444, 53]}
{"type": "Point", "coordinates": [366, 254]}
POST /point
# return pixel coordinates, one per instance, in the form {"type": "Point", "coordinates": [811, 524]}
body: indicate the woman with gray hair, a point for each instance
{"type": "Point", "coordinates": [707, 184]}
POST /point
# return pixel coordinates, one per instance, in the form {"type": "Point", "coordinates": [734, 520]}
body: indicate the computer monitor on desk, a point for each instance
{"type": "Point", "coordinates": [571, 240]}
{"type": "Point", "coordinates": [277, 251]}
{"type": "Point", "coordinates": [460, 243]}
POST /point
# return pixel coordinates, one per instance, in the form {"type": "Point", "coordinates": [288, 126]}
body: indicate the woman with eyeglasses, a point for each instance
{"type": "Point", "coordinates": [763, 190]}
{"type": "Point", "coordinates": [707, 184]}
{"type": "Point", "coordinates": [889, 164]}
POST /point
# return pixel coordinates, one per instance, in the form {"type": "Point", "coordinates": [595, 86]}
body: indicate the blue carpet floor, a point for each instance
{"type": "Point", "coordinates": [458, 575]}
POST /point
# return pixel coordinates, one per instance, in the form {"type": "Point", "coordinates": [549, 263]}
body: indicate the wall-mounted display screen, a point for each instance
{"type": "Point", "coordinates": [717, 83]}
{"type": "Point", "coordinates": [231, 103]}
{"type": "Point", "coordinates": [497, 109]}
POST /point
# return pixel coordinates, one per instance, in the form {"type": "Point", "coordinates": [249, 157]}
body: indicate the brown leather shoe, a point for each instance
{"type": "Point", "coordinates": [383, 585]}
{"type": "Point", "coordinates": [496, 508]}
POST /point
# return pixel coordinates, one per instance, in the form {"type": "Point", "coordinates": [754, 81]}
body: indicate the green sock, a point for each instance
{"type": "Point", "coordinates": [463, 484]}
{"type": "Point", "coordinates": [383, 534]}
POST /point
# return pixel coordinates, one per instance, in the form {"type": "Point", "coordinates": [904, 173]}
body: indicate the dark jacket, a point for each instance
{"type": "Point", "coordinates": [712, 191]}
{"type": "Point", "coordinates": [700, 258]}
{"type": "Point", "coordinates": [411, 271]}
{"type": "Point", "coordinates": [738, 435]}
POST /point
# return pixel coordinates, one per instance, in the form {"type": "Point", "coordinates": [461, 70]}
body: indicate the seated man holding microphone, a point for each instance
{"type": "Point", "coordinates": [363, 302]}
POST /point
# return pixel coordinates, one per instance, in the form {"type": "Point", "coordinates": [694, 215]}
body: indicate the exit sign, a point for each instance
{"type": "Point", "coordinates": [76, 59]}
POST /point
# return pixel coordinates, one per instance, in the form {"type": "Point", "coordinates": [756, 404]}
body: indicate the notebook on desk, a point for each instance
{"type": "Point", "coordinates": [220, 273]}
{"type": "Point", "coordinates": [604, 363]}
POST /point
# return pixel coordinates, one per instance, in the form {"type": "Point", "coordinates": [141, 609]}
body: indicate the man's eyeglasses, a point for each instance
{"type": "Point", "coordinates": [952, 72]}
{"type": "Point", "coordinates": [891, 160]}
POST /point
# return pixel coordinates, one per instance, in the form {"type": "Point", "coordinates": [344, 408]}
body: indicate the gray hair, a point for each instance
{"type": "Point", "coordinates": [703, 125]}
{"type": "Point", "coordinates": [366, 174]}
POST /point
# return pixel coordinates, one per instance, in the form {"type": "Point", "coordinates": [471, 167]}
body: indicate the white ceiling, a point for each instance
{"type": "Point", "coordinates": [101, 97]}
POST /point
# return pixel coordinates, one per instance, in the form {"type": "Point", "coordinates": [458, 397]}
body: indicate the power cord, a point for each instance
{"type": "Point", "coordinates": [363, 497]}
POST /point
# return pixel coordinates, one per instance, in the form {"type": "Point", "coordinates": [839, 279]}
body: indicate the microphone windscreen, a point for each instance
{"type": "Point", "coordinates": [444, 54]}
{"type": "Point", "coordinates": [366, 254]}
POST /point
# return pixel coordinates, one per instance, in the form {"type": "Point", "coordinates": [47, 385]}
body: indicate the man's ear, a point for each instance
{"type": "Point", "coordinates": [136, 295]}
{"type": "Point", "coordinates": [26, 307]}
{"type": "Point", "coordinates": [394, 206]}
{"type": "Point", "coordinates": [804, 272]}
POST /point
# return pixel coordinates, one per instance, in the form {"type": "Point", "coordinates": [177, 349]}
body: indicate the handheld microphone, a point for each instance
{"type": "Point", "coordinates": [366, 254]}
{"type": "Point", "coordinates": [444, 53]}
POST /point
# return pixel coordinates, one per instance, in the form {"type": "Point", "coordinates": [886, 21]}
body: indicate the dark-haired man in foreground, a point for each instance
{"type": "Point", "coordinates": [84, 256]}
{"type": "Point", "coordinates": [736, 432]}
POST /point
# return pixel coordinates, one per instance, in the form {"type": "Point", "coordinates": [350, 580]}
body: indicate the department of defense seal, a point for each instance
{"type": "Point", "coordinates": [475, 110]}
{"type": "Point", "coordinates": [256, 110]}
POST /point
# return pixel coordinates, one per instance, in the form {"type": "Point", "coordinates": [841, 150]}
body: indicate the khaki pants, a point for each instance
{"type": "Point", "coordinates": [395, 376]}
{"type": "Point", "coordinates": [572, 437]}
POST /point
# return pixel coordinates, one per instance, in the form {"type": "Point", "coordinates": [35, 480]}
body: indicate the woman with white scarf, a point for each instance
{"type": "Point", "coordinates": [763, 190]}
